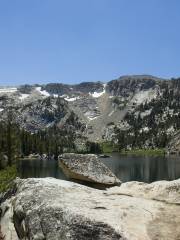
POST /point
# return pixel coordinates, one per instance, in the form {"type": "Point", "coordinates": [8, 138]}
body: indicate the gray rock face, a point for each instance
{"type": "Point", "coordinates": [173, 146]}
{"type": "Point", "coordinates": [87, 168]}
{"type": "Point", "coordinates": [100, 109]}
{"type": "Point", "coordinates": [125, 85]}
{"type": "Point", "coordinates": [55, 209]}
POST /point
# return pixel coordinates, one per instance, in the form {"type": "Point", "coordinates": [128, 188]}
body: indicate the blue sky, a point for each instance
{"type": "Point", "coordinates": [72, 41]}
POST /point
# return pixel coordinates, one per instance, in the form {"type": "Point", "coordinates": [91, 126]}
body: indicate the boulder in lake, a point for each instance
{"type": "Point", "coordinates": [88, 168]}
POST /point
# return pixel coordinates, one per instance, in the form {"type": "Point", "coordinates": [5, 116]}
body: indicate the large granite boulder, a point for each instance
{"type": "Point", "coordinates": [55, 209]}
{"type": "Point", "coordinates": [87, 167]}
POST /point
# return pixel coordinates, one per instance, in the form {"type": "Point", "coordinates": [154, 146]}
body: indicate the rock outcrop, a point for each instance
{"type": "Point", "coordinates": [173, 146]}
{"type": "Point", "coordinates": [87, 168]}
{"type": "Point", "coordinates": [7, 229]}
{"type": "Point", "coordinates": [55, 209]}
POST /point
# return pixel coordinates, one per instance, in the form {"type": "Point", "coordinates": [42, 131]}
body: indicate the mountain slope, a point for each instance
{"type": "Point", "coordinates": [141, 108]}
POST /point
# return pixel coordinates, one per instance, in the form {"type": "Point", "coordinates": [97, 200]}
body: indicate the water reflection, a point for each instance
{"type": "Point", "coordinates": [39, 169]}
{"type": "Point", "coordinates": [126, 168]}
{"type": "Point", "coordinates": [146, 169]}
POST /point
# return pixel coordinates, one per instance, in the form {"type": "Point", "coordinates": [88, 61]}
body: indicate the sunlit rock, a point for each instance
{"type": "Point", "coordinates": [87, 167]}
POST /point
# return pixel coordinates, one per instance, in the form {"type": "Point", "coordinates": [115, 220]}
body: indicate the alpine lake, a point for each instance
{"type": "Point", "coordinates": [126, 167]}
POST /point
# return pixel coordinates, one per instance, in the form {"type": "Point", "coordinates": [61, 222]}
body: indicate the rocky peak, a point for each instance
{"type": "Point", "coordinates": [81, 88]}
{"type": "Point", "coordinates": [126, 85]}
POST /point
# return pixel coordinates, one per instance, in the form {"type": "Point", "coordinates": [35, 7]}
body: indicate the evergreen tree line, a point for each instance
{"type": "Point", "coordinates": [164, 114]}
{"type": "Point", "coordinates": [16, 142]}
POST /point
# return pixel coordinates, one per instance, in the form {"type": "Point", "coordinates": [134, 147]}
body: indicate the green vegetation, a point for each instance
{"type": "Point", "coordinates": [144, 152]}
{"type": "Point", "coordinates": [109, 147]}
{"type": "Point", "coordinates": [153, 122]}
{"type": "Point", "coordinates": [6, 177]}
{"type": "Point", "coordinates": [93, 147]}
{"type": "Point", "coordinates": [16, 142]}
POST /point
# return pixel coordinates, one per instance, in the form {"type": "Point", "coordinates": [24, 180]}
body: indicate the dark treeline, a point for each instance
{"type": "Point", "coordinates": [16, 142]}
{"type": "Point", "coordinates": [93, 147]}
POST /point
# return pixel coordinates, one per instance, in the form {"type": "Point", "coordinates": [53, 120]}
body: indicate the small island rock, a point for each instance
{"type": "Point", "coordinates": [88, 168]}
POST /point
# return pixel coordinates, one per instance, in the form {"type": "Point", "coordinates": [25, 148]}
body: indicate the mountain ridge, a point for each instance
{"type": "Point", "coordinates": [96, 81]}
{"type": "Point", "coordinates": [106, 109]}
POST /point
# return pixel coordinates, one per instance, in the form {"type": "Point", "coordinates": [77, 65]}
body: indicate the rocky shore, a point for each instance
{"type": "Point", "coordinates": [52, 209]}
{"type": "Point", "coordinates": [55, 209]}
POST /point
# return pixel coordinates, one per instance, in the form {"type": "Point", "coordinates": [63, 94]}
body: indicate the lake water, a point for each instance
{"type": "Point", "coordinates": [126, 168]}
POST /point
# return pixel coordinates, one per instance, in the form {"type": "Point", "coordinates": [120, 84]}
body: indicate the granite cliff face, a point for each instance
{"type": "Point", "coordinates": [138, 105]}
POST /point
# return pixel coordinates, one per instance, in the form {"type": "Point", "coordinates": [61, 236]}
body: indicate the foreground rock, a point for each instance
{"type": "Point", "coordinates": [87, 168]}
{"type": "Point", "coordinates": [54, 209]}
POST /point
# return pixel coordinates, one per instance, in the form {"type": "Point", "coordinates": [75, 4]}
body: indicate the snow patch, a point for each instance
{"type": "Point", "coordinates": [8, 90]}
{"type": "Point", "coordinates": [71, 99]}
{"type": "Point", "coordinates": [44, 92]}
{"type": "Point", "coordinates": [99, 94]}
{"type": "Point", "coordinates": [104, 85]}
{"type": "Point", "coordinates": [1, 109]}
{"type": "Point", "coordinates": [92, 118]}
